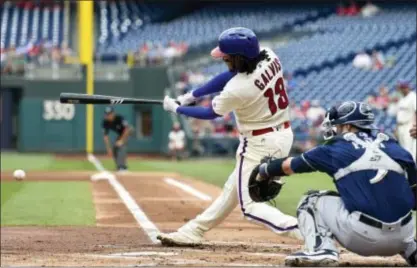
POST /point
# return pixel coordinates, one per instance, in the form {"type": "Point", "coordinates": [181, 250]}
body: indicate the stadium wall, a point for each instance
{"type": "Point", "coordinates": [44, 124]}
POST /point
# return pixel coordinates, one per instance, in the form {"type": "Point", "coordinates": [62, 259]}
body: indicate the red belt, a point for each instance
{"type": "Point", "coordinates": [262, 131]}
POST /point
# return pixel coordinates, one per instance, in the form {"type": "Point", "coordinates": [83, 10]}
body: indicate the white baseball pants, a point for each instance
{"type": "Point", "coordinates": [251, 150]}
{"type": "Point", "coordinates": [405, 140]}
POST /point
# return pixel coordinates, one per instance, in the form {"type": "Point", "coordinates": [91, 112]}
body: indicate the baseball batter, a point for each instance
{"type": "Point", "coordinates": [253, 89]}
{"type": "Point", "coordinates": [406, 117]}
{"type": "Point", "coordinates": [376, 181]}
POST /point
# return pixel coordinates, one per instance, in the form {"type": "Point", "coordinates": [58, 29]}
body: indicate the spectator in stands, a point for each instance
{"type": "Point", "coordinates": [197, 148]}
{"type": "Point", "coordinates": [66, 50]}
{"type": "Point", "coordinates": [362, 61]}
{"type": "Point", "coordinates": [352, 9]}
{"type": "Point", "coordinates": [219, 127]}
{"type": "Point", "coordinates": [305, 105]}
{"type": "Point", "coordinates": [56, 57]}
{"type": "Point", "coordinates": [34, 53]}
{"type": "Point", "coordinates": [369, 10]}
{"type": "Point", "coordinates": [296, 112]}
{"type": "Point", "coordinates": [378, 60]}
{"type": "Point", "coordinates": [341, 9]}
{"type": "Point", "coordinates": [5, 65]}
{"type": "Point", "coordinates": [383, 98]}
{"type": "Point", "coordinates": [371, 99]}
{"type": "Point", "coordinates": [183, 48]}
{"type": "Point", "coordinates": [176, 144]}
{"type": "Point", "coordinates": [142, 54]}
{"type": "Point", "coordinates": [14, 62]}
{"type": "Point", "coordinates": [196, 78]}
{"type": "Point", "coordinates": [316, 113]}
{"type": "Point", "coordinates": [289, 81]}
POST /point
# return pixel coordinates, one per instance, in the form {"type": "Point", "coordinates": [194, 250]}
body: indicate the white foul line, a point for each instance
{"type": "Point", "coordinates": [150, 229]}
{"type": "Point", "coordinates": [188, 189]}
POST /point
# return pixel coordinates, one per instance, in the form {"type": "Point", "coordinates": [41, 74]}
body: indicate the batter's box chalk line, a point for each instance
{"type": "Point", "coordinates": [104, 175]}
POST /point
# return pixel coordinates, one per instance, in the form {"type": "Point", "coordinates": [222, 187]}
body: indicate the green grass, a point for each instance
{"type": "Point", "coordinates": [38, 161]}
{"type": "Point", "coordinates": [46, 203]}
{"type": "Point", "coordinates": [11, 161]}
{"type": "Point", "coordinates": [217, 171]}
{"type": "Point", "coordinates": [214, 171]}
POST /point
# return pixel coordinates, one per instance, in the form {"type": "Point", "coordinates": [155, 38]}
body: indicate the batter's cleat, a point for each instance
{"type": "Point", "coordinates": [325, 258]}
{"type": "Point", "coordinates": [180, 239]}
{"type": "Point", "coordinates": [296, 234]}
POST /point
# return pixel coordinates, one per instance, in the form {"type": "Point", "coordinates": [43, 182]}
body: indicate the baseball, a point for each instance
{"type": "Point", "coordinates": [19, 174]}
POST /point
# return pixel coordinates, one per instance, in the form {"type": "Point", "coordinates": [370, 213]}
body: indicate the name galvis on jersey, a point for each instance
{"type": "Point", "coordinates": [273, 69]}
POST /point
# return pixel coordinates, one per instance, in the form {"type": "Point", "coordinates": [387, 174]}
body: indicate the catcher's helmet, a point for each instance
{"type": "Point", "coordinates": [237, 41]}
{"type": "Point", "coordinates": [358, 114]}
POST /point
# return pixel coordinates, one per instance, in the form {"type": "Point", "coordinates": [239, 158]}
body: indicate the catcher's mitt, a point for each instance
{"type": "Point", "coordinates": [263, 189]}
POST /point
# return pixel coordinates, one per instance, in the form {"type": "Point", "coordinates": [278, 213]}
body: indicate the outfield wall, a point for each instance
{"type": "Point", "coordinates": [44, 124]}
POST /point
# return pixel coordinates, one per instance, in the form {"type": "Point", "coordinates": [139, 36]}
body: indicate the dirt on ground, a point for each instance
{"type": "Point", "coordinates": [117, 239]}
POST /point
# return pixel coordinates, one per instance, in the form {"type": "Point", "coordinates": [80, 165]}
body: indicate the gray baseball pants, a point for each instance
{"type": "Point", "coordinates": [323, 218]}
{"type": "Point", "coordinates": [119, 156]}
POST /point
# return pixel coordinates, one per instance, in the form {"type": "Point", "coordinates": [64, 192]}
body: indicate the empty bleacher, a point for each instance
{"type": "Point", "coordinates": [31, 21]}
{"type": "Point", "coordinates": [123, 28]}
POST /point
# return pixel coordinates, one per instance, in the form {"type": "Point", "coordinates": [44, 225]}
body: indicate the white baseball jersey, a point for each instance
{"type": "Point", "coordinates": [407, 109]}
{"type": "Point", "coordinates": [176, 136]}
{"type": "Point", "coordinates": [258, 100]}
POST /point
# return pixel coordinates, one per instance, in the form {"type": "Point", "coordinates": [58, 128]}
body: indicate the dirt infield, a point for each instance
{"type": "Point", "coordinates": [117, 238]}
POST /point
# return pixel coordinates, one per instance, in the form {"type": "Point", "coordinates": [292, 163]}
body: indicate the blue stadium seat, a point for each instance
{"type": "Point", "coordinates": [30, 22]}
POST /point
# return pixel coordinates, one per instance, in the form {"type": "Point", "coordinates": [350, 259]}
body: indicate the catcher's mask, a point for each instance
{"type": "Point", "coordinates": [358, 114]}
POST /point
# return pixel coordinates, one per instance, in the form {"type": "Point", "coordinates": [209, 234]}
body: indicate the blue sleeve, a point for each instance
{"type": "Point", "coordinates": [214, 85]}
{"type": "Point", "coordinates": [198, 112]}
{"type": "Point", "coordinates": [316, 159]}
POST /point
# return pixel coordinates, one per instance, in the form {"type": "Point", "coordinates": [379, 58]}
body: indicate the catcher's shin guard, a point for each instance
{"type": "Point", "coordinates": [316, 235]}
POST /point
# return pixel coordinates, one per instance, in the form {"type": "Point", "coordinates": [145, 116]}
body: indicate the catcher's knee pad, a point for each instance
{"type": "Point", "coordinates": [310, 198]}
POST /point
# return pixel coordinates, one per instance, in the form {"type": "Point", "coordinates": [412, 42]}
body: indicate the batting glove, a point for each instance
{"type": "Point", "coordinates": [186, 99]}
{"type": "Point", "coordinates": [170, 105]}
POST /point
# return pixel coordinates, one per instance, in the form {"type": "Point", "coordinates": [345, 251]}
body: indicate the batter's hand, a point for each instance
{"type": "Point", "coordinates": [170, 105]}
{"type": "Point", "coordinates": [413, 131]}
{"type": "Point", "coordinates": [186, 99]}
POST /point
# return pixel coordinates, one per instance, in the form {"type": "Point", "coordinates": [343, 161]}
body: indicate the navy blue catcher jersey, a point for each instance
{"type": "Point", "coordinates": [373, 174]}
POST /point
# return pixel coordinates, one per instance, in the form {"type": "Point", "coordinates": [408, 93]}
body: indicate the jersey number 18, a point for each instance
{"type": "Point", "coordinates": [279, 90]}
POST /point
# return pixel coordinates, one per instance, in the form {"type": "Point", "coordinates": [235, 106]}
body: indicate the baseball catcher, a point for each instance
{"type": "Point", "coordinates": [376, 181]}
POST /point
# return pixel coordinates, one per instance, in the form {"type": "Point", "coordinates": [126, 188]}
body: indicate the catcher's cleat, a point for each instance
{"type": "Point", "coordinates": [180, 239]}
{"type": "Point", "coordinates": [324, 258]}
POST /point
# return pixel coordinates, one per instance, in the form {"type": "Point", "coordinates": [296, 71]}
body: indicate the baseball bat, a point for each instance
{"type": "Point", "coordinates": [78, 98]}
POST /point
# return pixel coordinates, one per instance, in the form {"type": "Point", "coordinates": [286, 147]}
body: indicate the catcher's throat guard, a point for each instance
{"type": "Point", "coordinates": [328, 130]}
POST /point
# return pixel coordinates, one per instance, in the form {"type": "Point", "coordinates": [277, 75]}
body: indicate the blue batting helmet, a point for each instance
{"type": "Point", "coordinates": [237, 41]}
